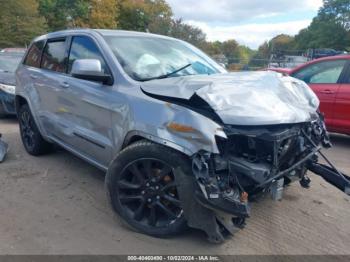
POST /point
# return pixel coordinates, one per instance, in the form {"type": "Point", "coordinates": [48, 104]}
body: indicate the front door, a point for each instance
{"type": "Point", "coordinates": [85, 107]}
{"type": "Point", "coordinates": [342, 104]}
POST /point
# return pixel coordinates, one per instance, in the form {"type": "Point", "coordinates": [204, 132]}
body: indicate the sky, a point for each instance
{"type": "Point", "coordinates": [250, 22]}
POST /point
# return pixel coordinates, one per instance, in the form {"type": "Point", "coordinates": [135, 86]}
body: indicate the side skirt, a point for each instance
{"type": "Point", "coordinates": [78, 154]}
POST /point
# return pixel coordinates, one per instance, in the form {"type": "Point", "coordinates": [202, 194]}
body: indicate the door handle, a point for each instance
{"type": "Point", "coordinates": [327, 92]}
{"type": "Point", "coordinates": [33, 76]}
{"type": "Point", "coordinates": [64, 85]}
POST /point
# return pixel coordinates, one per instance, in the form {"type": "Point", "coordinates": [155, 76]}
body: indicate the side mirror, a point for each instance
{"type": "Point", "coordinates": [90, 69]}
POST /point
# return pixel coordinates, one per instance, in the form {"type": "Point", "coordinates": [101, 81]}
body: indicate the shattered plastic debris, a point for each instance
{"type": "Point", "coordinates": [3, 150]}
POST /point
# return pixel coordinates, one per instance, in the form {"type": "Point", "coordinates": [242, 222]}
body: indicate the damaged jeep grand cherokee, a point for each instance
{"type": "Point", "coordinates": [183, 142]}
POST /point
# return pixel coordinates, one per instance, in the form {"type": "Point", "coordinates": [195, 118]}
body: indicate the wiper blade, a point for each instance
{"type": "Point", "coordinates": [166, 75]}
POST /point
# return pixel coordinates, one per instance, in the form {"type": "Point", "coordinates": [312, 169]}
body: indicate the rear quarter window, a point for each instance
{"type": "Point", "coordinates": [34, 54]}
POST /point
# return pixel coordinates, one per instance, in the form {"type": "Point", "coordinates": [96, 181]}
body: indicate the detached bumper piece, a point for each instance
{"type": "Point", "coordinates": [332, 176]}
{"type": "Point", "coordinates": [218, 214]}
{"type": "Point", "coordinates": [3, 150]}
{"type": "Point", "coordinates": [211, 201]}
{"type": "Point", "coordinates": [329, 173]}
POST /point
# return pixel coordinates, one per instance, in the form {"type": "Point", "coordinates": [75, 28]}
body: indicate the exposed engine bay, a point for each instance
{"type": "Point", "coordinates": [254, 161]}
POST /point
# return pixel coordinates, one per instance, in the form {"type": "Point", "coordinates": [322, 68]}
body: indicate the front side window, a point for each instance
{"type": "Point", "coordinates": [145, 58]}
{"type": "Point", "coordinates": [34, 54]}
{"type": "Point", "coordinates": [84, 48]}
{"type": "Point", "coordinates": [327, 72]}
{"type": "Point", "coordinates": [54, 58]}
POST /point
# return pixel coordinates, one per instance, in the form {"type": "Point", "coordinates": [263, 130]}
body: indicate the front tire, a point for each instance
{"type": "Point", "coordinates": [32, 140]}
{"type": "Point", "coordinates": [142, 188]}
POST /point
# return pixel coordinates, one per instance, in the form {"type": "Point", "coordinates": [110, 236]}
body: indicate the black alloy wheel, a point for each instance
{"type": "Point", "coordinates": [147, 191]}
{"type": "Point", "coordinates": [142, 188]}
{"type": "Point", "coordinates": [27, 130]}
{"type": "Point", "coordinates": [32, 140]}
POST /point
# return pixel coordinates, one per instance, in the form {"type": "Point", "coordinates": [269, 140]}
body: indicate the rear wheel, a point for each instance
{"type": "Point", "coordinates": [143, 190]}
{"type": "Point", "coordinates": [32, 140]}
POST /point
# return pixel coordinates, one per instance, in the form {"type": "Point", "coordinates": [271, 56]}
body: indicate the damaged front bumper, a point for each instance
{"type": "Point", "coordinates": [7, 103]}
{"type": "Point", "coordinates": [252, 161]}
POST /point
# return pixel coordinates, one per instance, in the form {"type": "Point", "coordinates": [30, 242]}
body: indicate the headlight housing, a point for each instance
{"type": "Point", "coordinates": [8, 88]}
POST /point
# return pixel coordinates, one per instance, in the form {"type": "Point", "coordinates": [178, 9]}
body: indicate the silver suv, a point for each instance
{"type": "Point", "coordinates": [183, 142]}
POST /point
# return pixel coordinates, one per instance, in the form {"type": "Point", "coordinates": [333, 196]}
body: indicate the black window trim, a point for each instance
{"type": "Point", "coordinates": [56, 39]}
{"type": "Point", "coordinates": [70, 42]}
{"type": "Point", "coordinates": [41, 53]}
{"type": "Point", "coordinates": [345, 75]}
{"type": "Point", "coordinates": [341, 76]}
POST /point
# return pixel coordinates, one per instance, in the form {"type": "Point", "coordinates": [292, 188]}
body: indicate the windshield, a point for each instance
{"type": "Point", "coordinates": [9, 63]}
{"type": "Point", "coordinates": [146, 58]}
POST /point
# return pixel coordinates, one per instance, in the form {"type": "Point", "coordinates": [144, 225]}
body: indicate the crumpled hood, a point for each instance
{"type": "Point", "coordinates": [244, 98]}
{"type": "Point", "coordinates": [7, 78]}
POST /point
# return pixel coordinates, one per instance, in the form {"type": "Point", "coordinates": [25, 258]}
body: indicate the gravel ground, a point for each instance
{"type": "Point", "coordinates": [56, 204]}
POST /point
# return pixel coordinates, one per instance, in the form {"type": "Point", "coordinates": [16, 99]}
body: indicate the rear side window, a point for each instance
{"type": "Point", "coordinates": [327, 72]}
{"type": "Point", "coordinates": [84, 48]}
{"type": "Point", "coordinates": [34, 54]}
{"type": "Point", "coordinates": [54, 56]}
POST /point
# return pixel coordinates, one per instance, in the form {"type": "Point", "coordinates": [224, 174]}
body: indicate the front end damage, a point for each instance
{"type": "Point", "coordinates": [270, 135]}
{"type": "Point", "coordinates": [253, 161]}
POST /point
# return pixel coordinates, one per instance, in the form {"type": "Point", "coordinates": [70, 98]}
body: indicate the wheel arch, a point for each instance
{"type": "Point", "coordinates": [22, 100]}
{"type": "Point", "coordinates": [134, 136]}
{"type": "Point", "coordinates": [19, 101]}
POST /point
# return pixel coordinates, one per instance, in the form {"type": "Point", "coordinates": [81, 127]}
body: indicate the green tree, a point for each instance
{"type": "Point", "coordinates": [329, 29]}
{"type": "Point", "coordinates": [323, 34]}
{"type": "Point", "coordinates": [212, 48]}
{"type": "Point", "coordinates": [144, 15]}
{"type": "Point", "coordinates": [20, 22]}
{"type": "Point", "coordinates": [102, 14]}
{"type": "Point", "coordinates": [260, 58]}
{"type": "Point", "coordinates": [230, 49]}
{"type": "Point", "coordinates": [244, 54]}
{"type": "Point", "coordinates": [132, 15]}
{"type": "Point", "coordinates": [188, 33]}
{"type": "Point", "coordinates": [62, 14]}
{"type": "Point", "coordinates": [337, 10]}
{"type": "Point", "coordinates": [281, 43]}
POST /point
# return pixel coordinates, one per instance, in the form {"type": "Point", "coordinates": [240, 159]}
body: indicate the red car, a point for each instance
{"type": "Point", "coordinates": [18, 50]}
{"type": "Point", "coordinates": [329, 78]}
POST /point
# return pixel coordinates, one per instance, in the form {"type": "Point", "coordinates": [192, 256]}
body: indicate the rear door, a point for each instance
{"type": "Point", "coordinates": [49, 80]}
{"type": "Point", "coordinates": [323, 77]}
{"type": "Point", "coordinates": [342, 104]}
